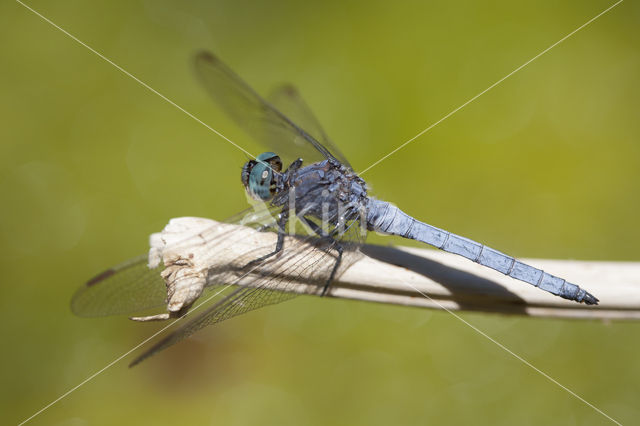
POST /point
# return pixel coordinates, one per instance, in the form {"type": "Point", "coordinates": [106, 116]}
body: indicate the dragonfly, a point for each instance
{"type": "Point", "coordinates": [318, 192]}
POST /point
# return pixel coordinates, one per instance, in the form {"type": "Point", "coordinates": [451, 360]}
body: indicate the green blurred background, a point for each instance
{"type": "Point", "coordinates": [547, 164]}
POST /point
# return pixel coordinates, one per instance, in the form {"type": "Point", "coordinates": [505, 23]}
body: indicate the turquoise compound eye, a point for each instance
{"type": "Point", "coordinates": [260, 181]}
{"type": "Point", "coordinates": [259, 177]}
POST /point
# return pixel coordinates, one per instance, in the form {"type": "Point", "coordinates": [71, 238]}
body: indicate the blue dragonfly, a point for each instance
{"type": "Point", "coordinates": [318, 192]}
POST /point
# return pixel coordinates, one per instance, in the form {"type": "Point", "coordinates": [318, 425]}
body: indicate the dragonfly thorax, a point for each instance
{"type": "Point", "coordinates": [325, 190]}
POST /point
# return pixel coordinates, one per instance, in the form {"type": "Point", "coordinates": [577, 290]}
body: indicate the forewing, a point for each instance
{"type": "Point", "coordinates": [303, 267]}
{"type": "Point", "coordinates": [256, 116]}
{"type": "Point", "coordinates": [123, 289]}
{"type": "Point", "coordinates": [287, 99]}
{"type": "Point", "coordinates": [132, 287]}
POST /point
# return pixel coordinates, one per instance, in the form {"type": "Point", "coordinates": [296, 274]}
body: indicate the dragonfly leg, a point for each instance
{"type": "Point", "coordinates": [340, 250]}
{"type": "Point", "coordinates": [336, 245]}
{"type": "Point", "coordinates": [282, 221]}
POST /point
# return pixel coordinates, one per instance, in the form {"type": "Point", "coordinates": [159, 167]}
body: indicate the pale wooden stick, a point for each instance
{"type": "Point", "coordinates": [424, 277]}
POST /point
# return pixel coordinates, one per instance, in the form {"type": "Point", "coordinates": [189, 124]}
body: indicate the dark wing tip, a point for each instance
{"type": "Point", "coordinates": [288, 89]}
{"type": "Point", "coordinates": [205, 56]}
{"type": "Point", "coordinates": [162, 344]}
{"type": "Point", "coordinates": [284, 90]}
{"type": "Point", "coordinates": [137, 361]}
{"type": "Point", "coordinates": [100, 277]}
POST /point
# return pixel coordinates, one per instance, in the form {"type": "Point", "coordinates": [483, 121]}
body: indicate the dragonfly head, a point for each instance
{"type": "Point", "coordinates": [259, 176]}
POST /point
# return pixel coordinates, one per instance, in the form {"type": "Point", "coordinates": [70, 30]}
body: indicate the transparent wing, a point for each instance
{"type": "Point", "coordinates": [303, 267]}
{"type": "Point", "coordinates": [123, 289]}
{"type": "Point", "coordinates": [287, 99]}
{"type": "Point", "coordinates": [241, 300]}
{"type": "Point", "coordinates": [257, 117]}
{"type": "Point", "coordinates": [132, 287]}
